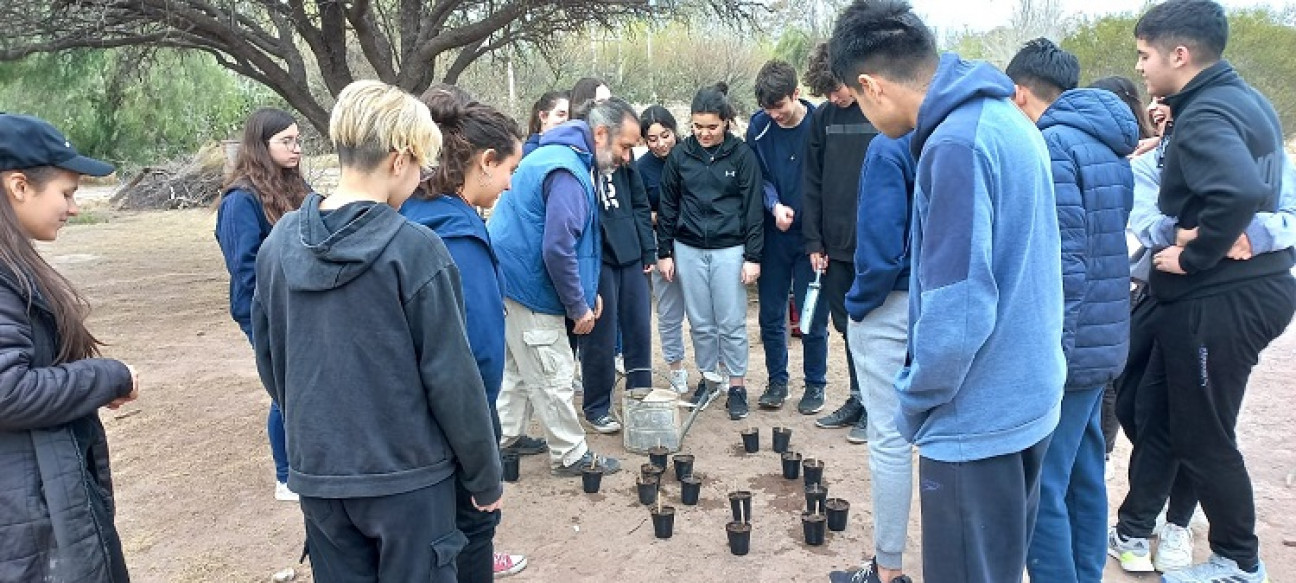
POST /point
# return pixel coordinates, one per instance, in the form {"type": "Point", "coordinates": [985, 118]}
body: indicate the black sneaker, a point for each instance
{"type": "Point", "coordinates": [606, 424]}
{"type": "Point", "coordinates": [737, 403]}
{"type": "Point", "coordinates": [812, 401]}
{"type": "Point", "coordinates": [845, 416]}
{"type": "Point", "coordinates": [526, 445]}
{"type": "Point", "coordinates": [703, 395]}
{"type": "Point", "coordinates": [774, 396]}
{"type": "Point", "coordinates": [610, 465]}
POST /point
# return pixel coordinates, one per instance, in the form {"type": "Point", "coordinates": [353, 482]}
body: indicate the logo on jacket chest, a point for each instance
{"type": "Point", "coordinates": [731, 173]}
{"type": "Point", "coordinates": [608, 194]}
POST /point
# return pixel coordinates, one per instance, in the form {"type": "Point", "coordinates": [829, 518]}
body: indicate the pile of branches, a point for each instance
{"type": "Point", "coordinates": [178, 185]}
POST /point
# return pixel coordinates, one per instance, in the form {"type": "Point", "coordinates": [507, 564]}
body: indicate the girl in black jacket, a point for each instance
{"type": "Point", "coordinates": [54, 478]}
{"type": "Point", "coordinates": [710, 235]}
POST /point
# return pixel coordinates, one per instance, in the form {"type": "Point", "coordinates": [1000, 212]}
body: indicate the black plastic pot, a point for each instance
{"type": "Point", "coordinates": [740, 503]}
{"type": "Point", "coordinates": [751, 440]}
{"type": "Point", "coordinates": [690, 490]}
{"type": "Point", "coordinates": [653, 471]}
{"type": "Point", "coordinates": [812, 470]}
{"type": "Point", "coordinates": [813, 525]}
{"type": "Point", "coordinates": [683, 466]}
{"type": "Point", "coordinates": [511, 469]}
{"type": "Point", "coordinates": [591, 479]}
{"type": "Point", "coordinates": [663, 521]}
{"type": "Point", "coordinates": [782, 437]}
{"type": "Point", "coordinates": [647, 488]}
{"type": "Point", "coordinates": [815, 496]}
{"type": "Point", "coordinates": [739, 537]}
{"type": "Point", "coordinates": [838, 511]}
{"type": "Point", "coordinates": [791, 465]}
{"type": "Point", "coordinates": [657, 455]}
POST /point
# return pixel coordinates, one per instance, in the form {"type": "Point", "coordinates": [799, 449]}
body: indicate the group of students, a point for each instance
{"type": "Point", "coordinates": [976, 264]}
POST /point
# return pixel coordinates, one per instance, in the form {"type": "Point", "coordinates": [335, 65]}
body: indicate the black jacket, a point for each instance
{"type": "Point", "coordinates": [626, 219]}
{"type": "Point", "coordinates": [830, 182]}
{"type": "Point", "coordinates": [358, 325]}
{"type": "Point", "coordinates": [56, 497]}
{"type": "Point", "coordinates": [1223, 165]}
{"type": "Point", "coordinates": [711, 199]}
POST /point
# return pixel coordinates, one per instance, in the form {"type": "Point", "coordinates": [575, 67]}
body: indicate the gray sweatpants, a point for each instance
{"type": "Point", "coordinates": [670, 317]}
{"type": "Point", "coordinates": [715, 300]}
{"type": "Point", "coordinates": [878, 345]}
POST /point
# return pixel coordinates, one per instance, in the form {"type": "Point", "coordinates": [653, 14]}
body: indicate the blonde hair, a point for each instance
{"type": "Point", "coordinates": [372, 119]}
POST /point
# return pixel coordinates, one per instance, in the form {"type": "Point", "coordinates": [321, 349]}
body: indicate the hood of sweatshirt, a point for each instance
{"type": "Point", "coordinates": [328, 257]}
{"type": "Point", "coordinates": [447, 214]}
{"type": "Point", "coordinates": [1099, 114]}
{"type": "Point", "coordinates": [575, 134]}
{"type": "Point", "coordinates": [957, 82]}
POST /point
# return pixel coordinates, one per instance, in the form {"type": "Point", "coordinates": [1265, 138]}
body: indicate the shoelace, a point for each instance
{"type": "Point", "coordinates": [503, 561]}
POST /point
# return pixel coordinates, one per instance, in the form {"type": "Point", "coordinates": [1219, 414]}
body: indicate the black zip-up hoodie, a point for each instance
{"type": "Point", "coordinates": [359, 333]}
{"type": "Point", "coordinates": [1223, 165]}
{"type": "Point", "coordinates": [711, 199]}
{"type": "Point", "coordinates": [626, 219]}
{"type": "Point", "coordinates": [830, 183]}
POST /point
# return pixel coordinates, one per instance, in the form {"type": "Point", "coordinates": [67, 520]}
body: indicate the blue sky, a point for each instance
{"type": "Point", "coordinates": [952, 15]}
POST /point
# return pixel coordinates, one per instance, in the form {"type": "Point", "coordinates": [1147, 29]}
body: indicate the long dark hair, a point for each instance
{"type": "Point", "coordinates": [35, 277]}
{"type": "Point", "coordinates": [585, 90]}
{"type": "Point", "coordinates": [466, 130]}
{"type": "Point", "coordinates": [279, 189]}
{"type": "Point", "coordinates": [656, 114]}
{"type": "Point", "coordinates": [547, 102]}
{"type": "Point", "coordinates": [1127, 92]}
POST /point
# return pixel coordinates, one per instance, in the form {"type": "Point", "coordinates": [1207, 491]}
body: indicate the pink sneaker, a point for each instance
{"type": "Point", "coordinates": [506, 564]}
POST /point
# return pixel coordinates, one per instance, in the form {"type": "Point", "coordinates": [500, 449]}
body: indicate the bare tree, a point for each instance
{"type": "Point", "coordinates": [306, 51]}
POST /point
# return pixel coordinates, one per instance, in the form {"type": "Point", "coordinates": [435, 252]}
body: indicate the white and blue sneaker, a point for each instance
{"type": "Point", "coordinates": [1216, 569]}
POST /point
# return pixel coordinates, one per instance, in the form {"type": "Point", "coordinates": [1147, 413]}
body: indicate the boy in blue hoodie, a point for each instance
{"type": "Point", "coordinates": [1089, 133]}
{"type": "Point", "coordinates": [985, 300]}
{"type": "Point", "coordinates": [778, 134]}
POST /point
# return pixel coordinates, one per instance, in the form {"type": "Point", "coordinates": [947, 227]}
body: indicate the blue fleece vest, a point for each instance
{"type": "Point", "coordinates": [517, 230]}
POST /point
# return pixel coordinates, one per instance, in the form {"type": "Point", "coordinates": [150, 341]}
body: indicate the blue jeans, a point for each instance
{"type": "Point", "coordinates": [1070, 541]}
{"type": "Point", "coordinates": [278, 442]}
{"type": "Point", "coordinates": [784, 266]}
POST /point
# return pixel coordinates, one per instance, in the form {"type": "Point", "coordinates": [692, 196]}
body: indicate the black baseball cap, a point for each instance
{"type": "Point", "coordinates": [29, 142]}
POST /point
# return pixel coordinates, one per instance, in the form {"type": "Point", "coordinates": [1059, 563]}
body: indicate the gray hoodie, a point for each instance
{"type": "Point", "coordinates": [359, 333]}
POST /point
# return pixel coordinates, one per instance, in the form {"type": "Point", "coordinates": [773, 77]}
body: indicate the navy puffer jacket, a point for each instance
{"type": "Point", "coordinates": [1089, 133]}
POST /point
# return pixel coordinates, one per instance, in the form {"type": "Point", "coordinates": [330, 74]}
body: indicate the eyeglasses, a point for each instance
{"type": "Point", "coordinates": [289, 143]}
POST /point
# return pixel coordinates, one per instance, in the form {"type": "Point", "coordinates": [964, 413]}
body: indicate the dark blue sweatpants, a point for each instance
{"type": "Point", "coordinates": [627, 309]}
{"type": "Point", "coordinates": [402, 537]}
{"type": "Point", "coordinates": [978, 516]}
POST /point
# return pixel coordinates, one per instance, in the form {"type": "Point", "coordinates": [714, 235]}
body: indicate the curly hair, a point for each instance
{"type": "Point", "coordinates": [819, 76]}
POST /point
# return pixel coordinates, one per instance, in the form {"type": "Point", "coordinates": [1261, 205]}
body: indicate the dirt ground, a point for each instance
{"type": "Point", "coordinates": [194, 476]}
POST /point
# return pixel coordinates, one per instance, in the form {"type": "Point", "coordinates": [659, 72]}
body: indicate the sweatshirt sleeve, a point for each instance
{"type": "Point", "coordinates": [750, 185]}
{"type": "Point", "coordinates": [812, 184]}
{"type": "Point", "coordinates": [38, 397]}
{"type": "Point", "coordinates": [668, 206]}
{"type": "Point", "coordinates": [1153, 229]}
{"type": "Point", "coordinates": [1219, 170]}
{"type": "Point", "coordinates": [479, 281]}
{"type": "Point", "coordinates": [958, 292]}
{"type": "Point", "coordinates": [643, 217]}
{"type": "Point", "coordinates": [881, 220]}
{"type": "Point", "coordinates": [455, 393]}
{"type": "Point", "coordinates": [238, 231]}
{"type": "Point", "coordinates": [1270, 232]}
{"type": "Point", "coordinates": [1071, 225]}
{"type": "Point", "coordinates": [566, 211]}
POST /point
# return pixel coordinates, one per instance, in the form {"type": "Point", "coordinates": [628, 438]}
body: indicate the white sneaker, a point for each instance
{"type": "Point", "coordinates": [679, 380]}
{"type": "Point", "coordinates": [1217, 570]}
{"type": "Point", "coordinates": [283, 494]}
{"type": "Point", "coordinates": [1174, 548]}
{"type": "Point", "coordinates": [506, 564]}
{"type": "Point", "coordinates": [1134, 554]}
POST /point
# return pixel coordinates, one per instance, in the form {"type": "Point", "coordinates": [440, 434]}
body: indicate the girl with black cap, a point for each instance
{"type": "Point", "coordinates": [55, 485]}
